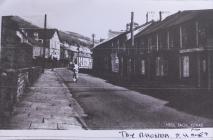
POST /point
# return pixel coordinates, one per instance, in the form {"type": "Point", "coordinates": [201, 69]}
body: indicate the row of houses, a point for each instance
{"type": "Point", "coordinates": [175, 50]}
{"type": "Point", "coordinates": [24, 44]}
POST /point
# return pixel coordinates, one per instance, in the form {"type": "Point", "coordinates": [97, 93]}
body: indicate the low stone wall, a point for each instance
{"type": "Point", "coordinates": [12, 86]}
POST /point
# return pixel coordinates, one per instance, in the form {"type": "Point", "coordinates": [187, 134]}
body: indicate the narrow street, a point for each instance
{"type": "Point", "coordinates": [113, 107]}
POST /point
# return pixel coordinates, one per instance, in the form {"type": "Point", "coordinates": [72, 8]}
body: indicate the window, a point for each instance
{"type": "Point", "coordinates": [143, 67]}
{"type": "Point", "coordinates": [158, 66]}
{"type": "Point", "coordinates": [129, 65]}
{"type": "Point", "coordinates": [161, 67]}
{"type": "Point", "coordinates": [204, 65]}
{"type": "Point", "coordinates": [40, 41]}
{"type": "Point", "coordinates": [149, 45]}
{"type": "Point", "coordinates": [185, 66]}
{"type": "Point", "coordinates": [36, 35]}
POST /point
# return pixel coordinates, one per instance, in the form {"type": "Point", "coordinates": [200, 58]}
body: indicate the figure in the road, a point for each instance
{"type": "Point", "coordinates": [75, 72]}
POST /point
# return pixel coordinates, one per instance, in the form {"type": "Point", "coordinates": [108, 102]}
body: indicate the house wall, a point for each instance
{"type": "Point", "coordinates": [160, 55]}
{"type": "Point", "coordinates": [54, 48]}
{"type": "Point", "coordinates": [15, 53]}
{"type": "Point", "coordinates": [16, 71]}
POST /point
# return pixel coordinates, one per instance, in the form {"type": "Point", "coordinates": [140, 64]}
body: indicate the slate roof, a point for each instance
{"type": "Point", "coordinates": [18, 23]}
{"type": "Point", "coordinates": [178, 18]}
{"type": "Point", "coordinates": [41, 32]}
{"type": "Point", "coordinates": [137, 31]}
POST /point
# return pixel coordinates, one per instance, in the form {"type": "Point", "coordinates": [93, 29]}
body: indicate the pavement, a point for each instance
{"type": "Point", "coordinates": [48, 104]}
{"type": "Point", "coordinates": [109, 106]}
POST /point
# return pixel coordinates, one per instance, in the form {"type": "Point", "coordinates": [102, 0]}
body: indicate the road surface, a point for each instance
{"type": "Point", "coordinates": [113, 107]}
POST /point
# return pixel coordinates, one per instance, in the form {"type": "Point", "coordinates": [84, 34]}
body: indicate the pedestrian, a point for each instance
{"type": "Point", "coordinates": [75, 72]}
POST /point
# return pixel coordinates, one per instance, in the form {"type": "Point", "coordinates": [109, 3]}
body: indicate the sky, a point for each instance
{"type": "Point", "coordinates": [95, 16]}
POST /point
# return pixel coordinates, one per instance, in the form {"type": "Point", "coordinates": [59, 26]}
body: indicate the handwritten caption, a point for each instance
{"type": "Point", "coordinates": [193, 133]}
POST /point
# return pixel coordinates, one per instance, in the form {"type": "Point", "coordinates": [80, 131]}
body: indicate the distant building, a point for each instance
{"type": "Point", "coordinates": [76, 48]}
{"type": "Point", "coordinates": [52, 41]}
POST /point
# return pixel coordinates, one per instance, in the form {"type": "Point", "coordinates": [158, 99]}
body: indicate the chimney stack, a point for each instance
{"type": "Point", "coordinates": [160, 15]}
{"type": "Point", "coordinates": [132, 28]}
{"type": "Point", "coordinates": [93, 40]}
{"type": "Point", "coordinates": [147, 17]}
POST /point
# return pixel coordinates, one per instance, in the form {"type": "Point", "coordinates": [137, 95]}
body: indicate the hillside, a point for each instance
{"type": "Point", "coordinates": [75, 38]}
{"type": "Point", "coordinates": [22, 23]}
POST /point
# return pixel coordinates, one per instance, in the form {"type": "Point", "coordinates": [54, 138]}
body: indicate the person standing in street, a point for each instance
{"type": "Point", "coordinates": [75, 72]}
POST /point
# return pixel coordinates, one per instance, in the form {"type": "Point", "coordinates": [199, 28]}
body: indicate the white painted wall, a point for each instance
{"type": "Point", "coordinates": [55, 46]}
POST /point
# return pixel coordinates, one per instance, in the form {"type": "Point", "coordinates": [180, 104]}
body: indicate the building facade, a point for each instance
{"type": "Point", "coordinates": [51, 36]}
{"type": "Point", "coordinates": [175, 50]}
{"type": "Point", "coordinates": [76, 50]}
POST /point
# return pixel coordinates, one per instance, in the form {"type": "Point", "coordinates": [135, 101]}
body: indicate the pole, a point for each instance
{"type": "Point", "coordinates": [131, 28]}
{"type": "Point", "coordinates": [44, 45]}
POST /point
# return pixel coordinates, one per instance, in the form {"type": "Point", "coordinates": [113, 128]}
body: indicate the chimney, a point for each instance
{"type": "Point", "coordinates": [93, 40]}
{"type": "Point", "coordinates": [132, 28]}
{"type": "Point", "coordinates": [160, 15]}
{"type": "Point", "coordinates": [147, 17]}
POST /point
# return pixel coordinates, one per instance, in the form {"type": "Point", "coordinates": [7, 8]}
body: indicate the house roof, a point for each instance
{"type": "Point", "coordinates": [42, 33]}
{"type": "Point", "coordinates": [178, 18]}
{"type": "Point", "coordinates": [109, 39]}
{"type": "Point", "coordinates": [137, 30]}
{"type": "Point", "coordinates": [18, 24]}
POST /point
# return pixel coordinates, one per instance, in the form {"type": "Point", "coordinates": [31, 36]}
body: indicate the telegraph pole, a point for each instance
{"type": "Point", "coordinates": [45, 41]}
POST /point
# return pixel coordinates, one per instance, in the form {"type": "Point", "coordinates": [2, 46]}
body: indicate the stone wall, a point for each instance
{"type": "Point", "coordinates": [13, 83]}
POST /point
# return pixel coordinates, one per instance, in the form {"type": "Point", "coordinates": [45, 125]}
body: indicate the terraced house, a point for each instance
{"type": "Point", "coordinates": [177, 50]}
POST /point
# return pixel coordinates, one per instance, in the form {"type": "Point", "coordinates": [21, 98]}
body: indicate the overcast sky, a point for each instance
{"type": "Point", "coordinates": [94, 16]}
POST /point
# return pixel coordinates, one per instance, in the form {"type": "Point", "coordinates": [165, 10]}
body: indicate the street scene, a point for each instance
{"type": "Point", "coordinates": [154, 70]}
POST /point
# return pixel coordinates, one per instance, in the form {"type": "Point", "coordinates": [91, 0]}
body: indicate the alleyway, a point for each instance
{"type": "Point", "coordinates": [113, 107]}
{"type": "Point", "coordinates": [48, 104]}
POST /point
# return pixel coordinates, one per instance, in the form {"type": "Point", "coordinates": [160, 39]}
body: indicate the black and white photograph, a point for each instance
{"type": "Point", "coordinates": [106, 64]}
